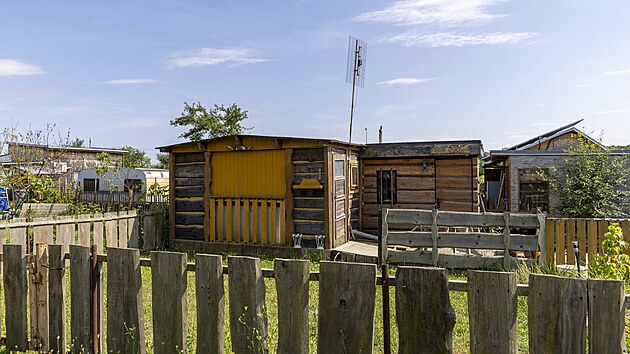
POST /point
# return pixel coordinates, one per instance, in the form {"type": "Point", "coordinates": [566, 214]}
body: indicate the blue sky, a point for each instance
{"type": "Point", "coordinates": [500, 71]}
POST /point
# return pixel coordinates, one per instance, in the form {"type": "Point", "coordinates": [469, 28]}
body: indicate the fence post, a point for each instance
{"type": "Point", "coordinates": [606, 316]}
{"type": "Point", "coordinates": [434, 237]}
{"type": "Point", "coordinates": [542, 237]}
{"type": "Point", "coordinates": [170, 315]}
{"type": "Point", "coordinates": [134, 230]}
{"type": "Point", "coordinates": [38, 264]}
{"type": "Point", "coordinates": [557, 314]}
{"type": "Point", "coordinates": [125, 313]}
{"type": "Point", "coordinates": [149, 238]}
{"type": "Point", "coordinates": [15, 294]}
{"type": "Point", "coordinates": [81, 299]}
{"type": "Point", "coordinates": [506, 241]}
{"type": "Point", "coordinates": [347, 294]}
{"type": "Point", "coordinates": [492, 312]}
{"type": "Point", "coordinates": [57, 297]}
{"type": "Point", "coordinates": [84, 230]}
{"type": "Point", "coordinates": [292, 285]}
{"type": "Point", "coordinates": [424, 313]}
{"type": "Point", "coordinates": [248, 314]}
{"type": "Point", "coordinates": [382, 261]}
{"type": "Point", "coordinates": [210, 303]}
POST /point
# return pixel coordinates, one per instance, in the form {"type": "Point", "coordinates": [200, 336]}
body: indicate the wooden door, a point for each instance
{"type": "Point", "coordinates": [340, 199]}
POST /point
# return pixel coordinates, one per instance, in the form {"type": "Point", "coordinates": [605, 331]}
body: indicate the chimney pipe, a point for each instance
{"type": "Point", "coordinates": [380, 135]}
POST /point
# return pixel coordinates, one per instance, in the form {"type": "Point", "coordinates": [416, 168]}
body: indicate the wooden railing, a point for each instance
{"type": "Point", "coordinates": [457, 230]}
{"type": "Point", "coordinates": [589, 233]}
{"type": "Point", "coordinates": [248, 221]}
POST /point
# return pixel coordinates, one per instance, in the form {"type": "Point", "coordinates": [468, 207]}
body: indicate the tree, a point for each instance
{"type": "Point", "coordinates": [213, 123]}
{"type": "Point", "coordinates": [77, 143]}
{"type": "Point", "coordinates": [592, 183]}
{"type": "Point", "coordinates": [136, 158]}
{"type": "Point", "coordinates": [162, 158]}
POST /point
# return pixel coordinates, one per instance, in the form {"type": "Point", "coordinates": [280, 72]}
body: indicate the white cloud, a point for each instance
{"type": "Point", "coordinates": [214, 56]}
{"type": "Point", "coordinates": [403, 81]}
{"type": "Point", "coordinates": [611, 111]}
{"type": "Point", "coordinates": [542, 124]}
{"type": "Point", "coordinates": [131, 81]}
{"type": "Point", "coordinates": [10, 67]}
{"type": "Point", "coordinates": [444, 39]}
{"type": "Point", "coordinates": [433, 12]}
{"type": "Point", "coordinates": [617, 72]}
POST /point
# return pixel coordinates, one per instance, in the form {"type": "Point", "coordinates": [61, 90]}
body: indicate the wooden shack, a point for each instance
{"type": "Point", "coordinates": [419, 175]}
{"type": "Point", "coordinates": [259, 190]}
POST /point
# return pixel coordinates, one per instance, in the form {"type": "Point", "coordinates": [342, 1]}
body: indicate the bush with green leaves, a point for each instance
{"type": "Point", "coordinates": [613, 263]}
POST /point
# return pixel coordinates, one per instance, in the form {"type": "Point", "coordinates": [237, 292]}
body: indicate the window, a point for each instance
{"type": "Point", "coordinates": [354, 177]}
{"type": "Point", "coordinates": [339, 169]}
{"type": "Point", "coordinates": [386, 187]}
{"type": "Point", "coordinates": [533, 190]}
{"type": "Point", "coordinates": [133, 184]}
{"type": "Point", "coordinates": [90, 185]}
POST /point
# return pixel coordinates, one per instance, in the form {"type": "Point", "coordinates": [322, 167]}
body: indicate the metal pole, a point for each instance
{"type": "Point", "coordinates": [354, 78]}
{"type": "Point", "coordinates": [576, 250]}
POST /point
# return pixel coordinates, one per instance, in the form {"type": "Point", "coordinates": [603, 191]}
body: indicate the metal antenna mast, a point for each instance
{"type": "Point", "coordinates": [355, 71]}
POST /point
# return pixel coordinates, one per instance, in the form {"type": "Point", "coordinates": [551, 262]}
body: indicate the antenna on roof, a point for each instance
{"type": "Point", "coordinates": [355, 71]}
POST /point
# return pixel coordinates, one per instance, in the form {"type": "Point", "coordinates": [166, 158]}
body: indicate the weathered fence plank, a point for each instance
{"type": "Point", "coordinates": [18, 236]}
{"type": "Point", "coordinates": [123, 231]}
{"type": "Point", "coordinates": [248, 314]}
{"type": "Point", "coordinates": [43, 233]}
{"type": "Point", "coordinates": [292, 286]}
{"type": "Point", "coordinates": [15, 294]}
{"type": "Point", "coordinates": [134, 230]}
{"type": "Point", "coordinates": [111, 230]}
{"type": "Point", "coordinates": [606, 316]}
{"type": "Point", "coordinates": [125, 313]}
{"type": "Point", "coordinates": [99, 229]}
{"type": "Point", "coordinates": [83, 226]}
{"type": "Point", "coordinates": [347, 294]}
{"type": "Point", "coordinates": [81, 299]}
{"type": "Point", "coordinates": [210, 293]}
{"type": "Point", "coordinates": [492, 312]}
{"type": "Point", "coordinates": [149, 240]}
{"type": "Point", "coordinates": [65, 233]}
{"type": "Point", "coordinates": [424, 313]}
{"type": "Point", "coordinates": [557, 314]}
{"type": "Point", "coordinates": [170, 314]}
{"type": "Point", "coordinates": [38, 294]}
{"type": "Point", "coordinates": [57, 298]}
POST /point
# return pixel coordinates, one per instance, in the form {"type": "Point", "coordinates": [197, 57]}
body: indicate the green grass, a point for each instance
{"type": "Point", "coordinates": [459, 301]}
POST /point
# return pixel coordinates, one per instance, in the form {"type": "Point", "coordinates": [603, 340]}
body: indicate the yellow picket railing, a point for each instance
{"type": "Point", "coordinates": [258, 221]}
{"type": "Point", "coordinates": [589, 233]}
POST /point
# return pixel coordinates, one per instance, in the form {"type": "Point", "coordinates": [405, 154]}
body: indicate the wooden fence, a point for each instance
{"type": "Point", "coordinates": [346, 306]}
{"type": "Point", "coordinates": [456, 230]}
{"type": "Point", "coordinates": [248, 221]}
{"type": "Point", "coordinates": [589, 233]}
{"type": "Point", "coordinates": [116, 200]}
{"type": "Point", "coordinates": [123, 229]}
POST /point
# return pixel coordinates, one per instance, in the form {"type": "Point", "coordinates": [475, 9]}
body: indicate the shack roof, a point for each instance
{"type": "Point", "coordinates": [423, 149]}
{"type": "Point", "coordinates": [168, 148]}
{"type": "Point", "coordinates": [70, 148]}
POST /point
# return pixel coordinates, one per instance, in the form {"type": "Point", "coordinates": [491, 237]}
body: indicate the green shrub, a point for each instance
{"type": "Point", "coordinates": [612, 264]}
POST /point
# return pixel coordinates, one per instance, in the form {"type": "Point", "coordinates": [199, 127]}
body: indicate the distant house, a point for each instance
{"type": "Point", "coordinates": [513, 176]}
{"type": "Point", "coordinates": [61, 163]}
{"type": "Point", "coordinates": [249, 191]}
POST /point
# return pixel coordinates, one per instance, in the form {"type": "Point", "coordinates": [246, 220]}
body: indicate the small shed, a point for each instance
{"type": "Point", "coordinates": [260, 190]}
{"type": "Point", "coordinates": [419, 175]}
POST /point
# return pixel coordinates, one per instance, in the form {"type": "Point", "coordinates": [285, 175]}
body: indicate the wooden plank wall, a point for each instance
{"type": "Point", "coordinates": [189, 191]}
{"type": "Point", "coordinates": [309, 213]}
{"type": "Point", "coordinates": [456, 184]}
{"type": "Point", "coordinates": [415, 186]}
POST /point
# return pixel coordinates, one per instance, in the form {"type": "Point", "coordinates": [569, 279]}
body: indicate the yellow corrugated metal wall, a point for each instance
{"type": "Point", "coordinates": [249, 174]}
